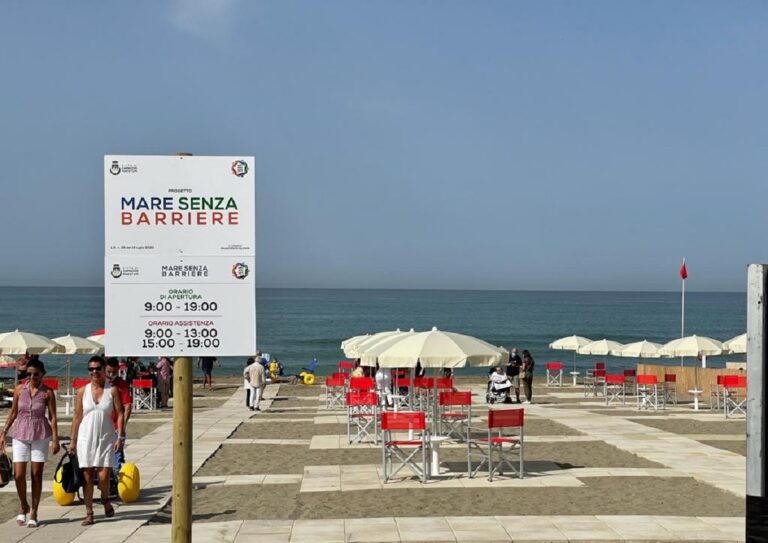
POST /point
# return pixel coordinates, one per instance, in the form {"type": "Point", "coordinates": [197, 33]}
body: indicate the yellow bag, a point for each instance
{"type": "Point", "coordinates": [62, 497]}
{"type": "Point", "coordinates": [128, 483]}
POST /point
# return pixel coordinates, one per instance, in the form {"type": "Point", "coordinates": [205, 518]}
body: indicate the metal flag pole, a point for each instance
{"type": "Point", "coordinates": [683, 275]}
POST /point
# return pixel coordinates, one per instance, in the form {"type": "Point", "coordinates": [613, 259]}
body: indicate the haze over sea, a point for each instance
{"type": "Point", "coordinates": [297, 325]}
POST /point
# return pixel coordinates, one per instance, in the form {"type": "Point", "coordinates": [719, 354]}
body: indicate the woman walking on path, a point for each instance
{"type": "Point", "coordinates": [93, 435]}
{"type": "Point", "coordinates": [32, 435]}
{"type": "Point", "coordinates": [527, 375]}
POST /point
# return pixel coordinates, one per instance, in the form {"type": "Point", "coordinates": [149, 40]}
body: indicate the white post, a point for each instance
{"type": "Point", "coordinates": [682, 314]}
{"type": "Point", "coordinates": [757, 362]}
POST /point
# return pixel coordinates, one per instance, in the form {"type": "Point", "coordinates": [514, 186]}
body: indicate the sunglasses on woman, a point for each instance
{"type": "Point", "coordinates": [33, 374]}
{"type": "Point", "coordinates": [94, 369]}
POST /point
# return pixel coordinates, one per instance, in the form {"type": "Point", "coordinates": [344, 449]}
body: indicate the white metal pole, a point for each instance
{"type": "Point", "coordinates": [682, 316]}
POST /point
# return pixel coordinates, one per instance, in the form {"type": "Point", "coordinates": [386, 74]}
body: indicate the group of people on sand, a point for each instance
{"type": "Point", "coordinates": [517, 370]}
{"type": "Point", "coordinates": [97, 437]}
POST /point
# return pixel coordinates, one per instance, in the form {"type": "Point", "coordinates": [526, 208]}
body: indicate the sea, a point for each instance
{"type": "Point", "coordinates": [299, 325]}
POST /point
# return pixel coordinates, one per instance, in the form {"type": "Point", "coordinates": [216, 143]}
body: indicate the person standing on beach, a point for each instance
{"type": "Point", "coordinates": [206, 364]}
{"type": "Point", "coordinates": [257, 379]}
{"type": "Point", "coordinates": [32, 435]}
{"type": "Point", "coordinates": [93, 435]}
{"type": "Point", "coordinates": [163, 367]}
{"type": "Point", "coordinates": [513, 370]}
{"type": "Point", "coordinates": [111, 371]}
{"type": "Point", "coordinates": [527, 370]}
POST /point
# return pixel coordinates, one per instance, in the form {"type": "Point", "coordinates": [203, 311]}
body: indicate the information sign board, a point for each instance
{"type": "Point", "coordinates": [179, 256]}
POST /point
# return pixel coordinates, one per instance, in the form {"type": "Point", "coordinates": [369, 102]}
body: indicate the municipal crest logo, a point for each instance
{"type": "Point", "coordinates": [115, 168]}
{"type": "Point", "coordinates": [239, 168]}
{"type": "Point", "coordinates": [240, 270]}
{"type": "Point", "coordinates": [116, 271]}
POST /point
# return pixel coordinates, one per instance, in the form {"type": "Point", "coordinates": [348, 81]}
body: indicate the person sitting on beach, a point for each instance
{"type": "Point", "coordinates": [500, 382]}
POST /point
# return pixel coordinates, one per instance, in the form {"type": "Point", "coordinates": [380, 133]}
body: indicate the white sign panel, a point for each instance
{"type": "Point", "coordinates": [179, 256]}
{"type": "Point", "coordinates": [179, 205]}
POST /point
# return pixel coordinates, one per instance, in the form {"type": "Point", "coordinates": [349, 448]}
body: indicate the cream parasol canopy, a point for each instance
{"type": "Point", "coordinates": [693, 346]}
{"type": "Point", "coordinates": [354, 349]}
{"type": "Point", "coordinates": [369, 354]}
{"type": "Point", "coordinates": [639, 349]}
{"type": "Point", "coordinates": [601, 347]}
{"type": "Point", "coordinates": [77, 345]}
{"type": "Point", "coordinates": [97, 336]}
{"type": "Point", "coordinates": [736, 345]}
{"type": "Point", "coordinates": [26, 342]}
{"type": "Point", "coordinates": [570, 343]}
{"type": "Point", "coordinates": [439, 349]}
{"type": "Point", "coordinates": [354, 340]}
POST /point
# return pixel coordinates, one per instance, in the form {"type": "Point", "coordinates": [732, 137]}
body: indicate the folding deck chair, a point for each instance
{"type": "Point", "coordinates": [554, 374]}
{"type": "Point", "coordinates": [648, 393]}
{"type": "Point", "coordinates": [669, 388]}
{"type": "Point", "coordinates": [615, 389]}
{"type": "Point", "coordinates": [363, 415]}
{"type": "Point", "coordinates": [455, 414]}
{"type": "Point", "coordinates": [734, 395]}
{"type": "Point", "coordinates": [593, 382]}
{"type": "Point", "coordinates": [334, 392]}
{"type": "Point", "coordinates": [144, 395]}
{"type": "Point", "coordinates": [716, 393]}
{"type": "Point", "coordinates": [403, 392]}
{"type": "Point", "coordinates": [394, 448]}
{"type": "Point", "coordinates": [504, 438]}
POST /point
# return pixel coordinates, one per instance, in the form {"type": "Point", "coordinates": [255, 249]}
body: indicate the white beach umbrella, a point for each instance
{"type": "Point", "coordinates": [97, 336]}
{"type": "Point", "coordinates": [736, 345]}
{"type": "Point", "coordinates": [356, 348]}
{"type": "Point", "coordinates": [570, 343]}
{"type": "Point", "coordinates": [693, 346]}
{"type": "Point", "coordinates": [438, 349]}
{"type": "Point", "coordinates": [370, 354]}
{"type": "Point", "coordinates": [77, 345]}
{"type": "Point", "coordinates": [640, 349]}
{"type": "Point", "coordinates": [601, 347]}
{"type": "Point", "coordinates": [354, 340]}
{"type": "Point", "coordinates": [26, 342]}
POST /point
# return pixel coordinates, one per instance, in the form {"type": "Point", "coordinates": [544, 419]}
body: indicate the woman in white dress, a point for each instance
{"type": "Point", "coordinates": [93, 435]}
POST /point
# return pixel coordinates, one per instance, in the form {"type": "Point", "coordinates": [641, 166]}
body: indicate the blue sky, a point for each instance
{"type": "Point", "coordinates": [498, 145]}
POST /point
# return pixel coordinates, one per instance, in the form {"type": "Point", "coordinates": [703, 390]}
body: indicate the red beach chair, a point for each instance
{"type": "Point", "coordinates": [554, 374]}
{"type": "Point", "coordinates": [648, 392]}
{"type": "Point", "coordinates": [334, 391]}
{"type": "Point", "coordinates": [615, 389]}
{"type": "Point", "coordinates": [455, 414]}
{"type": "Point", "coordinates": [669, 388]}
{"type": "Point", "coordinates": [362, 411]}
{"type": "Point", "coordinates": [365, 384]}
{"type": "Point", "coordinates": [504, 437]}
{"type": "Point", "coordinates": [80, 382]}
{"type": "Point", "coordinates": [393, 448]}
{"type": "Point", "coordinates": [144, 395]}
{"type": "Point", "coordinates": [734, 395]}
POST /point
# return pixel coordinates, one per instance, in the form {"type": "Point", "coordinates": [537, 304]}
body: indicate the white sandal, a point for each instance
{"type": "Point", "coordinates": [21, 519]}
{"type": "Point", "coordinates": [32, 523]}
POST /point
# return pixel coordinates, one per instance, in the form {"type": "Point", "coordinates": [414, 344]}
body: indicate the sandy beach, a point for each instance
{"type": "Point", "coordinates": [267, 467]}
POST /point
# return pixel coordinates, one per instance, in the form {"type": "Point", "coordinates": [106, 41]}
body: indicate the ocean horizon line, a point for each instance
{"type": "Point", "coordinates": [403, 289]}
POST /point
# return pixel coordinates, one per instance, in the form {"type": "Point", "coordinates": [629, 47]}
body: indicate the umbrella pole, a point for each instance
{"type": "Point", "coordinates": [69, 381]}
{"type": "Point", "coordinates": [435, 429]}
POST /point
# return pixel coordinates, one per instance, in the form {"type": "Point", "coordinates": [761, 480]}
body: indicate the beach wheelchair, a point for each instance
{"type": "Point", "coordinates": [307, 375]}
{"type": "Point", "coordinates": [498, 392]}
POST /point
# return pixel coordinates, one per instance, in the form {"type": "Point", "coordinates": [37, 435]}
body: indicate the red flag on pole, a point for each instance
{"type": "Point", "coordinates": [683, 271]}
